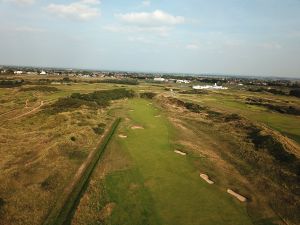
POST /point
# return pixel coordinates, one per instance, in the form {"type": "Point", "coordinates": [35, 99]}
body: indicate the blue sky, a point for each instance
{"type": "Point", "coordinates": [255, 37]}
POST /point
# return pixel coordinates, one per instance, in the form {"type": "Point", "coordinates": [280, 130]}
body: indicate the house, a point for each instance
{"type": "Point", "coordinates": [43, 72]}
{"type": "Point", "coordinates": [18, 72]}
{"type": "Point", "coordinates": [209, 87]}
{"type": "Point", "coordinates": [159, 79]}
{"type": "Point", "coordinates": [182, 81]}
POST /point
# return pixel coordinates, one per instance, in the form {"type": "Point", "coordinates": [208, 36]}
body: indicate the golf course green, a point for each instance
{"type": "Point", "coordinates": [160, 186]}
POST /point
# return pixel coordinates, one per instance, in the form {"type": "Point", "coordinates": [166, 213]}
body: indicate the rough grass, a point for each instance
{"type": "Point", "coordinates": [37, 155]}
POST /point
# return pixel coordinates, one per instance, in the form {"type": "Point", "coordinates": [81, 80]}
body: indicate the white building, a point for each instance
{"type": "Point", "coordinates": [183, 81]}
{"type": "Point", "coordinates": [212, 87]}
{"type": "Point", "coordinates": [160, 79]}
{"type": "Point", "coordinates": [18, 72]}
{"type": "Point", "coordinates": [43, 72]}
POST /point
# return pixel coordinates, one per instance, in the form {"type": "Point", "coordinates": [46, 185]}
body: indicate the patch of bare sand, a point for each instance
{"type": "Point", "coordinates": [238, 196]}
{"type": "Point", "coordinates": [157, 116]}
{"type": "Point", "coordinates": [180, 152]}
{"type": "Point", "coordinates": [106, 211]}
{"type": "Point", "coordinates": [206, 178]}
{"type": "Point", "coordinates": [122, 136]}
{"type": "Point", "coordinates": [137, 127]}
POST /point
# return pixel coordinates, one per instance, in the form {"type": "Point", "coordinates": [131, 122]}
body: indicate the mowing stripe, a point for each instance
{"type": "Point", "coordinates": [65, 207]}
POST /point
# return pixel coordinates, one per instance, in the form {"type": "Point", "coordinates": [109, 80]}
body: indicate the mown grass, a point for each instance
{"type": "Point", "coordinates": [286, 124]}
{"type": "Point", "coordinates": [170, 183]}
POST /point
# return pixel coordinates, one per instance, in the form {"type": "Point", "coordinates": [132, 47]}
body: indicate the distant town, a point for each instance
{"type": "Point", "coordinates": [212, 81]}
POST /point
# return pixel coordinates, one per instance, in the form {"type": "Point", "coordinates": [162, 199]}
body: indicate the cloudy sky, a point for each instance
{"type": "Point", "coordinates": [258, 37]}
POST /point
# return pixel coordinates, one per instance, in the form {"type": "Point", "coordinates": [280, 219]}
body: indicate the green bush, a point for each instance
{"type": "Point", "coordinates": [40, 88]}
{"type": "Point", "coordinates": [232, 117]}
{"type": "Point", "coordinates": [295, 92]}
{"type": "Point", "coordinates": [2, 202]}
{"type": "Point", "coordinates": [99, 129]}
{"type": "Point", "coordinates": [11, 83]}
{"type": "Point", "coordinates": [73, 138]}
{"type": "Point", "coordinates": [120, 81]}
{"type": "Point", "coordinates": [95, 99]}
{"type": "Point", "coordinates": [275, 148]}
{"type": "Point", "coordinates": [50, 183]}
{"type": "Point", "coordinates": [149, 95]}
{"type": "Point", "coordinates": [193, 107]}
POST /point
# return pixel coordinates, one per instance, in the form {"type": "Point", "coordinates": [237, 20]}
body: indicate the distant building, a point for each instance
{"type": "Point", "coordinates": [18, 72]}
{"type": "Point", "coordinates": [159, 79]}
{"type": "Point", "coordinates": [183, 81]}
{"type": "Point", "coordinates": [212, 87]}
{"type": "Point", "coordinates": [43, 72]}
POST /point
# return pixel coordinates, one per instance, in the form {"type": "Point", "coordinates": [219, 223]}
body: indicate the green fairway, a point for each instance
{"type": "Point", "coordinates": [162, 187]}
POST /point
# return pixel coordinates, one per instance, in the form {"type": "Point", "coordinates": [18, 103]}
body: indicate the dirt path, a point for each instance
{"type": "Point", "coordinates": [26, 104]}
{"type": "Point", "coordinates": [63, 210]}
{"type": "Point", "coordinates": [29, 112]}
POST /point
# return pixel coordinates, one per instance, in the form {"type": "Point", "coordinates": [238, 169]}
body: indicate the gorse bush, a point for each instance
{"type": "Point", "coordinates": [275, 148]}
{"type": "Point", "coordinates": [11, 83]}
{"type": "Point", "coordinates": [99, 129]}
{"type": "Point", "coordinates": [295, 92]}
{"type": "Point", "coordinates": [123, 81]}
{"type": "Point", "coordinates": [149, 95]}
{"type": "Point", "coordinates": [95, 99]}
{"type": "Point", "coordinates": [40, 88]}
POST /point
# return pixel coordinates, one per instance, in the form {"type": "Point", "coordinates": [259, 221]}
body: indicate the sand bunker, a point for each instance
{"type": "Point", "coordinates": [122, 136]}
{"type": "Point", "coordinates": [157, 116]}
{"type": "Point", "coordinates": [180, 152]}
{"type": "Point", "coordinates": [137, 127]}
{"type": "Point", "coordinates": [238, 196]}
{"type": "Point", "coordinates": [206, 178]}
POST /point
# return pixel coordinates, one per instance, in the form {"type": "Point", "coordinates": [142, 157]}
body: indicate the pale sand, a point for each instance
{"type": "Point", "coordinates": [179, 152]}
{"type": "Point", "coordinates": [238, 196]}
{"type": "Point", "coordinates": [137, 127]}
{"type": "Point", "coordinates": [206, 178]}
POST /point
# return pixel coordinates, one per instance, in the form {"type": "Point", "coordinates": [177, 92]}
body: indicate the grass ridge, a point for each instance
{"type": "Point", "coordinates": [63, 212]}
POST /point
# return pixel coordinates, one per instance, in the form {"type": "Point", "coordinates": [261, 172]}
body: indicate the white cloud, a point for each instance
{"type": "Point", "coordinates": [161, 31]}
{"type": "Point", "coordinates": [92, 2]}
{"type": "Point", "coordinates": [81, 10]}
{"type": "Point", "coordinates": [146, 3]}
{"type": "Point", "coordinates": [21, 2]}
{"type": "Point", "coordinates": [155, 18]}
{"type": "Point", "coordinates": [192, 46]}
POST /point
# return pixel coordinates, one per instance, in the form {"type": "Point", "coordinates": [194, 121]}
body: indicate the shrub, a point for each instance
{"type": "Point", "coordinates": [232, 117]}
{"type": "Point", "coordinates": [149, 95]}
{"type": "Point", "coordinates": [94, 99]}
{"type": "Point", "coordinates": [99, 129]}
{"type": "Point", "coordinates": [121, 81]}
{"type": "Point", "coordinates": [2, 202]}
{"type": "Point", "coordinates": [295, 92]}
{"type": "Point", "coordinates": [40, 88]}
{"type": "Point", "coordinates": [73, 138]}
{"type": "Point", "coordinates": [11, 83]}
{"type": "Point", "coordinates": [275, 148]}
{"type": "Point", "coordinates": [193, 107]}
{"type": "Point", "coordinates": [193, 92]}
{"type": "Point", "coordinates": [50, 183]}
